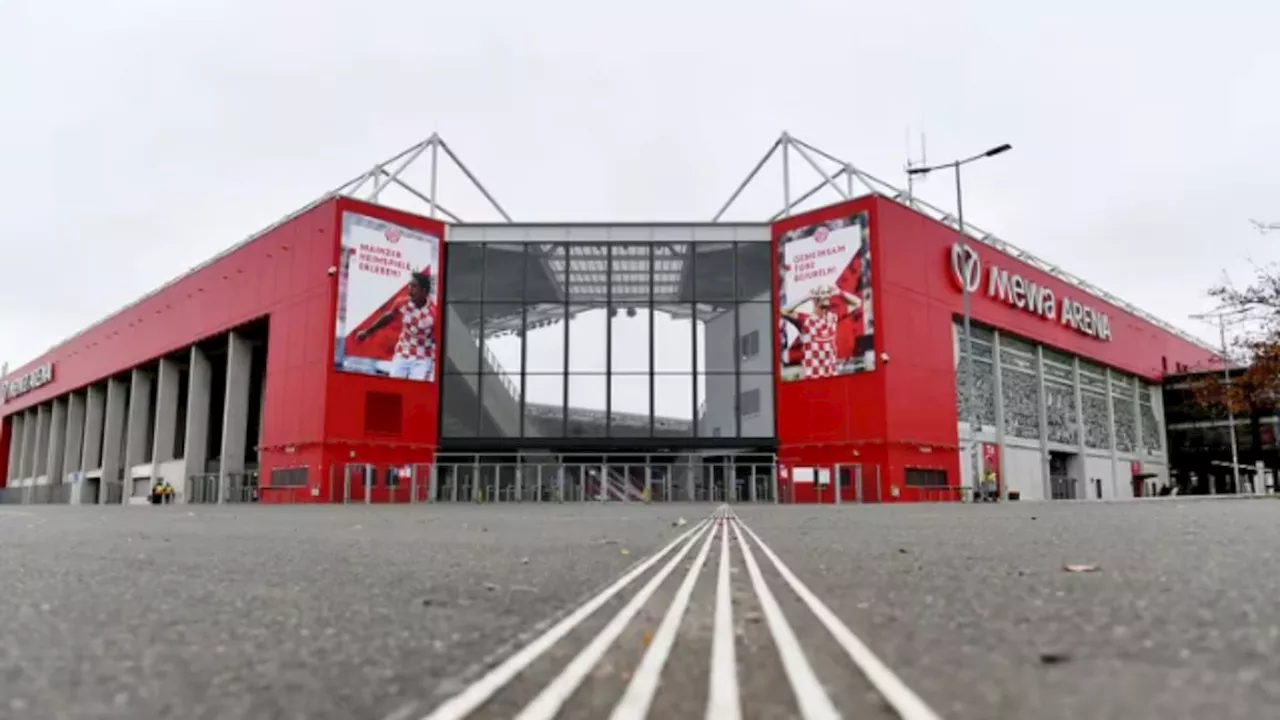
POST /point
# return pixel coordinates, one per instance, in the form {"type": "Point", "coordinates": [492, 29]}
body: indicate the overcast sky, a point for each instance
{"type": "Point", "coordinates": [141, 137]}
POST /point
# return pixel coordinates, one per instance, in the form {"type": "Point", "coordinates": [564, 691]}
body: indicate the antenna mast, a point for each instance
{"type": "Point", "coordinates": [923, 161]}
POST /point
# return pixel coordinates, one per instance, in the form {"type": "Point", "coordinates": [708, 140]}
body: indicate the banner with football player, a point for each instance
{"type": "Point", "coordinates": [388, 285]}
{"type": "Point", "coordinates": [825, 321]}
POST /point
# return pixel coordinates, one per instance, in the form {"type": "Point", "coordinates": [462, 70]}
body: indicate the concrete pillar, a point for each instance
{"type": "Point", "coordinates": [57, 441]}
{"type": "Point", "coordinates": [73, 445]}
{"type": "Point", "coordinates": [196, 433]}
{"type": "Point", "coordinates": [28, 469]}
{"type": "Point", "coordinates": [262, 412]}
{"type": "Point", "coordinates": [15, 447]}
{"type": "Point", "coordinates": [235, 411]}
{"type": "Point", "coordinates": [138, 431]}
{"type": "Point", "coordinates": [95, 413]}
{"type": "Point", "coordinates": [167, 388]}
{"type": "Point", "coordinates": [113, 434]}
{"type": "Point", "coordinates": [43, 420]}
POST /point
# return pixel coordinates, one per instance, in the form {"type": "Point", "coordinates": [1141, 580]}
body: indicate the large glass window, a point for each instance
{"type": "Point", "coordinates": [755, 274]}
{"type": "Point", "coordinates": [503, 272]}
{"type": "Point", "coordinates": [502, 338]}
{"type": "Point", "coordinates": [544, 340]}
{"type": "Point", "coordinates": [462, 320]}
{"type": "Point", "coordinates": [635, 336]}
{"type": "Point", "coordinates": [460, 405]}
{"type": "Point", "coordinates": [464, 272]}
{"type": "Point", "coordinates": [714, 274]}
{"type": "Point", "coordinates": [673, 340]}
{"type": "Point", "coordinates": [630, 410]}
{"type": "Point", "coordinates": [544, 273]}
{"type": "Point", "coordinates": [544, 405]}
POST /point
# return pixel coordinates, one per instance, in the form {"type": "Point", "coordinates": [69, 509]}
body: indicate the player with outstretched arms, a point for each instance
{"type": "Point", "coordinates": [415, 350]}
{"type": "Point", "coordinates": [818, 329]}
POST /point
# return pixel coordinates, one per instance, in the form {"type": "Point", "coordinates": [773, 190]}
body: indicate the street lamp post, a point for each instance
{"type": "Point", "coordinates": [968, 407]}
{"type": "Point", "coordinates": [1221, 317]}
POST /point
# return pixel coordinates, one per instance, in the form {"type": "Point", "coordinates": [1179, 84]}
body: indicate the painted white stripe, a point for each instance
{"type": "Point", "coordinates": [901, 698]}
{"type": "Point", "coordinates": [638, 698]}
{"type": "Point", "coordinates": [553, 697]}
{"type": "Point", "coordinates": [810, 695]}
{"type": "Point", "coordinates": [466, 702]}
{"type": "Point", "coordinates": [723, 701]}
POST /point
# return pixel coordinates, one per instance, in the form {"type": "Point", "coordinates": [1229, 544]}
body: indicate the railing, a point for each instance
{"type": "Point", "coordinates": [59, 494]}
{"type": "Point", "coordinates": [496, 366]}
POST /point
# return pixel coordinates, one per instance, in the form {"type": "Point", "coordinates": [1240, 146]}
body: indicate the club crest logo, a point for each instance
{"type": "Point", "coordinates": [966, 268]}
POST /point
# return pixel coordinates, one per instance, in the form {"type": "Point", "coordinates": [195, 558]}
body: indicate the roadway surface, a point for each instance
{"type": "Point", "coordinates": [405, 613]}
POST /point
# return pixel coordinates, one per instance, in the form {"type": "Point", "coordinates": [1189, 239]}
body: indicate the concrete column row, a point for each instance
{"type": "Point", "coordinates": [107, 426]}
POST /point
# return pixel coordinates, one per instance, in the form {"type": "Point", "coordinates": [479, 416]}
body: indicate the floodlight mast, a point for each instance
{"type": "Point", "coordinates": [969, 406]}
{"type": "Point", "coordinates": [1219, 317]}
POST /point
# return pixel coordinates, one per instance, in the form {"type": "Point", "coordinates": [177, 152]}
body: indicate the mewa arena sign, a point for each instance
{"type": "Point", "coordinates": [1015, 290]}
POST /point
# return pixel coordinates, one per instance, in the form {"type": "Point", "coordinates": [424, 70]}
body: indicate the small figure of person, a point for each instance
{"type": "Point", "coordinates": [818, 329]}
{"type": "Point", "coordinates": [415, 350]}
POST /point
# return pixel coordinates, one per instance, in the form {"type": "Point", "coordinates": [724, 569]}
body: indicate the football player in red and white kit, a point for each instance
{"type": "Point", "coordinates": [818, 329]}
{"type": "Point", "coordinates": [414, 356]}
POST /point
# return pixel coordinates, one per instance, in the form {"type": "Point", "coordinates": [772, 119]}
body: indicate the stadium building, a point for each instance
{"type": "Point", "coordinates": [360, 352]}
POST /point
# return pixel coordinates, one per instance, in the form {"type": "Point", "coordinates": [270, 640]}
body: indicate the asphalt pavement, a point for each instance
{"type": "Point", "coordinates": [406, 613]}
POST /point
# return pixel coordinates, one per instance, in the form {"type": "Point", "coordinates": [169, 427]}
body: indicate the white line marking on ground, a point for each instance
{"type": "Point", "coordinates": [723, 701]}
{"type": "Point", "coordinates": [814, 702]}
{"type": "Point", "coordinates": [901, 698]}
{"type": "Point", "coordinates": [553, 697]}
{"type": "Point", "coordinates": [479, 692]}
{"type": "Point", "coordinates": [638, 698]}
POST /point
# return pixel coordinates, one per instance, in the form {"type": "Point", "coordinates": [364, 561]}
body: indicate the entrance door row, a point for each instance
{"type": "Point", "coordinates": [619, 482]}
{"type": "Point", "coordinates": [470, 481]}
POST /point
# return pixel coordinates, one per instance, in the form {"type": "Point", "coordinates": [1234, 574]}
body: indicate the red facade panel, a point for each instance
{"type": "Point", "coordinates": [351, 436]}
{"type": "Point", "coordinates": [276, 275]}
{"type": "Point", "coordinates": [830, 421]}
{"type": "Point", "coordinates": [313, 415]}
{"type": "Point", "coordinates": [903, 414]}
{"type": "Point", "coordinates": [917, 272]}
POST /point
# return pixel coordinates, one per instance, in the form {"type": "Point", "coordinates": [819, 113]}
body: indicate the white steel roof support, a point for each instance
{"type": "Point", "coordinates": [879, 187]}
{"type": "Point", "coordinates": [381, 179]}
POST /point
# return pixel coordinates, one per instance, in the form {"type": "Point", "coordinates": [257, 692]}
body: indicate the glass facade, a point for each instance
{"type": "Point", "coordinates": [619, 332]}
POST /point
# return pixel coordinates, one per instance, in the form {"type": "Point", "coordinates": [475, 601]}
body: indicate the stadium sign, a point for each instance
{"type": "Point", "coordinates": [38, 377]}
{"type": "Point", "coordinates": [1016, 291]}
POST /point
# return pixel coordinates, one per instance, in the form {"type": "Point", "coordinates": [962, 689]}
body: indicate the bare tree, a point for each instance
{"type": "Point", "coordinates": [1254, 311]}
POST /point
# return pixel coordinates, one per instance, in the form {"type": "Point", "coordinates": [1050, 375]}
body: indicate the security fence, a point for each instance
{"type": "Point", "coordinates": [569, 478]}
{"type": "Point", "coordinates": [209, 488]}
{"type": "Point", "coordinates": [59, 494]}
{"type": "Point", "coordinates": [533, 478]}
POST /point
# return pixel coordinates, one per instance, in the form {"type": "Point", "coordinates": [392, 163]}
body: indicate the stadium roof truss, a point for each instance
{"type": "Point", "coordinates": [587, 268]}
{"type": "Point", "coordinates": [844, 181]}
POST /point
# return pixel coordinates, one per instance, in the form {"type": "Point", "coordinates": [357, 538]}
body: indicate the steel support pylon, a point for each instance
{"type": "Point", "coordinates": [847, 182]}
{"type": "Point", "coordinates": [371, 184]}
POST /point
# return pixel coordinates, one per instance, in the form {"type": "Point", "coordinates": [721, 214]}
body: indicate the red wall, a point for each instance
{"type": "Point", "coordinates": [313, 415]}
{"type": "Point", "coordinates": [915, 269]}
{"type": "Point", "coordinates": [903, 414]}
{"type": "Point", "coordinates": [344, 417]}
{"type": "Point", "coordinates": [830, 421]}
{"type": "Point", "coordinates": [281, 275]}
